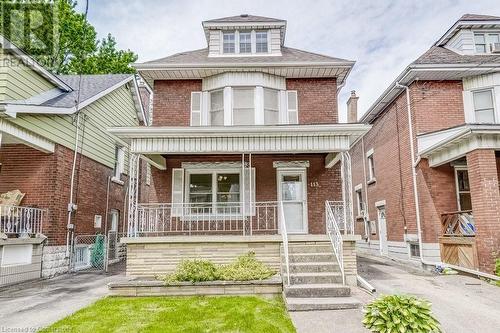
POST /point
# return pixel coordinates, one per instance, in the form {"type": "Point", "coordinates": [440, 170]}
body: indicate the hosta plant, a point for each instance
{"type": "Point", "coordinates": [400, 314]}
{"type": "Point", "coordinates": [196, 270]}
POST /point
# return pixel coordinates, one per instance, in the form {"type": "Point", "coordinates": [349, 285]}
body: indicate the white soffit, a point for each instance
{"type": "Point", "coordinates": [20, 135]}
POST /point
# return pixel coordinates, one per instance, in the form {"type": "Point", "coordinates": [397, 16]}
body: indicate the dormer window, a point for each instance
{"type": "Point", "coordinates": [229, 42]}
{"type": "Point", "coordinates": [484, 41]}
{"type": "Point", "coordinates": [261, 42]}
{"type": "Point", "coordinates": [245, 42]}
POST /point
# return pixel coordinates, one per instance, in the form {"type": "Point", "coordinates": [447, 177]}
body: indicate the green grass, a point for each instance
{"type": "Point", "coordinates": [179, 314]}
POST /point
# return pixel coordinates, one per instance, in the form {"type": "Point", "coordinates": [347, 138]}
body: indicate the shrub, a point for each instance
{"type": "Point", "coordinates": [196, 270]}
{"type": "Point", "coordinates": [400, 314]}
{"type": "Point", "coordinates": [245, 268]}
{"type": "Point", "coordinates": [497, 267]}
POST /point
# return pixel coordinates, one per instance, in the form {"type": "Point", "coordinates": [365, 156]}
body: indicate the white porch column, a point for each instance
{"type": "Point", "coordinates": [133, 195]}
{"type": "Point", "coordinates": [346, 176]}
{"type": "Point", "coordinates": [0, 139]}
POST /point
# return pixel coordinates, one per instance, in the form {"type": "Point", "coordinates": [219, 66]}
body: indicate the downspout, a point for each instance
{"type": "Point", "coordinates": [71, 205]}
{"type": "Point", "coordinates": [107, 208]}
{"type": "Point", "coordinates": [414, 174]}
{"type": "Point", "coordinates": [365, 183]}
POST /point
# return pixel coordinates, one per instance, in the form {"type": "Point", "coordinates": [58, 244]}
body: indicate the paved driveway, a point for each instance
{"type": "Point", "coordinates": [461, 303]}
{"type": "Point", "coordinates": [28, 306]}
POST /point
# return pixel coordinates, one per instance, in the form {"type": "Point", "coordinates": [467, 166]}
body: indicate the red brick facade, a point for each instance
{"type": "Point", "coordinates": [45, 178]}
{"type": "Point", "coordinates": [434, 106]}
{"type": "Point", "coordinates": [322, 184]}
{"type": "Point", "coordinates": [172, 102]}
{"type": "Point", "coordinates": [317, 99]}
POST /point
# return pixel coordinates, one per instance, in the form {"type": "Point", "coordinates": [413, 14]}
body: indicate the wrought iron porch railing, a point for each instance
{"type": "Point", "coordinates": [22, 220]}
{"type": "Point", "coordinates": [333, 231]}
{"type": "Point", "coordinates": [203, 219]}
{"type": "Point", "coordinates": [459, 223]}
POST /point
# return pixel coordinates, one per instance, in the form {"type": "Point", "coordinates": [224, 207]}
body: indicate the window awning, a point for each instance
{"type": "Point", "coordinates": [241, 139]}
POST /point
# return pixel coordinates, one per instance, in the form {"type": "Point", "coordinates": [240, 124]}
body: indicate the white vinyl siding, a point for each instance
{"type": "Point", "coordinates": [196, 97]}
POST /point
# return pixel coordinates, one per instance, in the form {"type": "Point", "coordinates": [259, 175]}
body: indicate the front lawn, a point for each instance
{"type": "Point", "coordinates": [179, 314]}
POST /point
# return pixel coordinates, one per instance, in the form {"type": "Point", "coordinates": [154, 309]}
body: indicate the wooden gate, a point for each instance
{"type": "Point", "coordinates": [459, 251]}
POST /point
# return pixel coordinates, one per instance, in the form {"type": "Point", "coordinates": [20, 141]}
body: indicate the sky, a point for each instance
{"type": "Point", "coordinates": [382, 36]}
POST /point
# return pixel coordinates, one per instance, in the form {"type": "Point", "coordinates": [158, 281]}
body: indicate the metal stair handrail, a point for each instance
{"type": "Point", "coordinates": [335, 236]}
{"type": "Point", "coordinates": [284, 234]}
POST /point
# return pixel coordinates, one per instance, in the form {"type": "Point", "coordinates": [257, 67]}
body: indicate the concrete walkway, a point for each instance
{"type": "Point", "coordinates": [32, 305]}
{"type": "Point", "coordinates": [461, 303]}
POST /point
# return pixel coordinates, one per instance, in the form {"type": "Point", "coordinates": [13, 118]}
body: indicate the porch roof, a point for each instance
{"type": "Point", "coordinates": [444, 146]}
{"type": "Point", "coordinates": [324, 138]}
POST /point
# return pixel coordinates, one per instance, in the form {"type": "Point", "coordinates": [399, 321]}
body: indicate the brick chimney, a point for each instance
{"type": "Point", "coordinates": [352, 108]}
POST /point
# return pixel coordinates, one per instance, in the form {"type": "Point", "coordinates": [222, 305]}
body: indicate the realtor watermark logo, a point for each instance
{"type": "Point", "coordinates": [29, 25]}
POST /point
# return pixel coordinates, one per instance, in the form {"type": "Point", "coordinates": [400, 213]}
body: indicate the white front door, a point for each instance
{"type": "Point", "coordinates": [382, 231]}
{"type": "Point", "coordinates": [292, 191]}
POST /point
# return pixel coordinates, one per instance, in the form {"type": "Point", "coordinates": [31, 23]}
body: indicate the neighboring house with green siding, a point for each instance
{"type": "Point", "coordinates": [50, 195]}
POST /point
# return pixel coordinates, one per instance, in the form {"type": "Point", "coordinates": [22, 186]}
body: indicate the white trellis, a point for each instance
{"type": "Point", "coordinates": [133, 195]}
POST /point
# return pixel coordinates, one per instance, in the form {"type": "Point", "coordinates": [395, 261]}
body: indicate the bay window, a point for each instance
{"type": "Point", "coordinates": [484, 110]}
{"type": "Point", "coordinates": [217, 108]}
{"type": "Point", "coordinates": [271, 107]}
{"type": "Point", "coordinates": [243, 106]}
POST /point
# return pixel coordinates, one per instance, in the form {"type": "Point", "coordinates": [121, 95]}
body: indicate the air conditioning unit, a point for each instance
{"type": "Point", "coordinates": [495, 48]}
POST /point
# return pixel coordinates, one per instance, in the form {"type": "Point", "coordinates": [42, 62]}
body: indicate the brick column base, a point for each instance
{"type": "Point", "coordinates": [483, 180]}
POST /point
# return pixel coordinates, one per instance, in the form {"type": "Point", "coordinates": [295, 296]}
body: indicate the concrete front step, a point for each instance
{"type": "Point", "coordinates": [311, 257]}
{"type": "Point", "coordinates": [316, 290]}
{"type": "Point", "coordinates": [310, 248]}
{"type": "Point", "coordinates": [313, 267]}
{"type": "Point", "coordinates": [321, 303]}
{"type": "Point", "coordinates": [315, 278]}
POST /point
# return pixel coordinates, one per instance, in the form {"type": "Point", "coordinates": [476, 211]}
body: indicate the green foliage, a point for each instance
{"type": "Point", "coordinates": [497, 267]}
{"type": "Point", "coordinates": [400, 314]}
{"type": "Point", "coordinates": [72, 39]}
{"type": "Point", "coordinates": [245, 268]}
{"type": "Point", "coordinates": [196, 270]}
{"type": "Point", "coordinates": [226, 314]}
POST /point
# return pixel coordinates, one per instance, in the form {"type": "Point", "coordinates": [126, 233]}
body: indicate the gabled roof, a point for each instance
{"type": "Point", "coordinates": [470, 21]}
{"type": "Point", "coordinates": [243, 18]}
{"type": "Point", "coordinates": [200, 57]}
{"type": "Point", "coordinates": [90, 87]}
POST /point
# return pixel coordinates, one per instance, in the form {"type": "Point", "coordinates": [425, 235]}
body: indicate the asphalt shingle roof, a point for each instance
{"type": "Point", "coordinates": [441, 55]}
{"type": "Point", "coordinates": [90, 86]}
{"type": "Point", "coordinates": [244, 18]}
{"type": "Point", "coordinates": [476, 17]}
{"type": "Point", "coordinates": [200, 57]}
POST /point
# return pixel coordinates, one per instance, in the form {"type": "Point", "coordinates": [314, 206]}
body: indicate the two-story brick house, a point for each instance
{"type": "Point", "coordinates": [247, 147]}
{"type": "Point", "coordinates": [426, 176]}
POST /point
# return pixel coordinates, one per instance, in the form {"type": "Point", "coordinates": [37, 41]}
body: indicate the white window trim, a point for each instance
{"type": "Point", "coordinates": [214, 172]}
{"type": "Point", "coordinates": [487, 46]}
{"type": "Point", "coordinates": [119, 165]}
{"type": "Point", "coordinates": [359, 199]}
{"type": "Point", "coordinates": [222, 42]}
{"type": "Point", "coordinates": [288, 119]}
{"type": "Point", "coordinates": [457, 191]}
{"type": "Point", "coordinates": [303, 172]}
{"type": "Point", "coordinates": [482, 89]}
{"type": "Point", "coordinates": [253, 41]}
{"type": "Point", "coordinates": [371, 167]}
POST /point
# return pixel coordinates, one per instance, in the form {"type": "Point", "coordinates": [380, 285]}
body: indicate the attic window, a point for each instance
{"type": "Point", "coordinates": [261, 42]}
{"type": "Point", "coordinates": [245, 42]}
{"type": "Point", "coordinates": [485, 41]}
{"type": "Point", "coordinates": [228, 42]}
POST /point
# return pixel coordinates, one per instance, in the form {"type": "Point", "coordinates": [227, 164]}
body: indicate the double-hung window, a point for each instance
{"type": "Point", "coordinates": [359, 199]}
{"type": "Point", "coordinates": [243, 106]}
{"type": "Point", "coordinates": [210, 192]}
{"type": "Point", "coordinates": [484, 111]}
{"type": "Point", "coordinates": [271, 107]}
{"type": "Point", "coordinates": [484, 41]}
{"type": "Point", "coordinates": [217, 108]}
{"type": "Point", "coordinates": [119, 162]}
{"type": "Point", "coordinates": [228, 42]}
{"type": "Point", "coordinates": [245, 42]}
{"type": "Point", "coordinates": [371, 166]}
{"type": "Point", "coordinates": [261, 42]}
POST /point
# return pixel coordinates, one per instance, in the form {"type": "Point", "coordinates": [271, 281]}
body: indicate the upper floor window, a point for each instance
{"type": "Point", "coordinates": [271, 107]}
{"type": "Point", "coordinates": [463, 189]}
{"type": "Point", "coordinates": [119, 162]}
{"type": "Point", "coordinates": [261, 42]}
{"type": "Point", "coordinates": [359, 201]}
{"type": "Point", "coordinates": [243, 106]}
{"type": "Point", "coordinates": [217, 108]}
{"type": "Point", "coordinates": [371, 166]}
{"type": "Point", "coordinates": [228, 42]}
{"type": "Point", "coordinates": [484, 41]}
{"type": "Point", "coordinates": [245, 42]}
{"type": "Point", "coordinates": [484, 111]}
